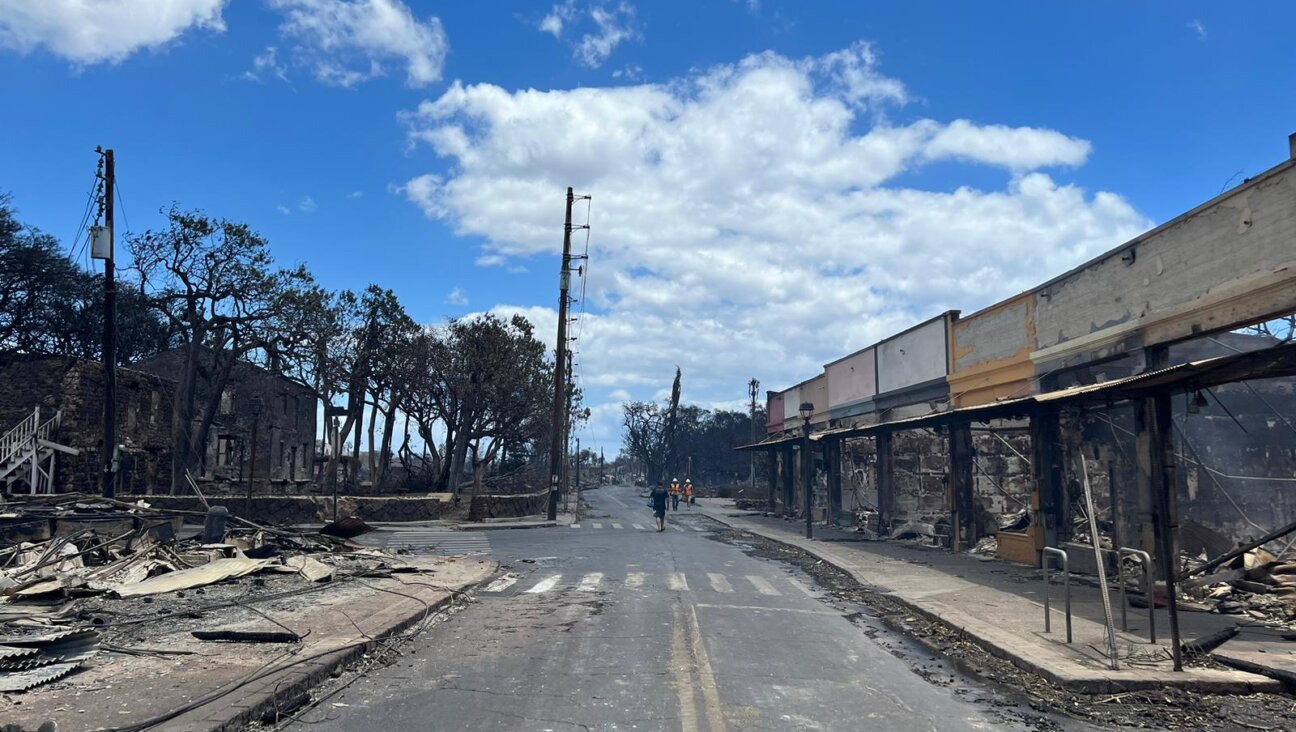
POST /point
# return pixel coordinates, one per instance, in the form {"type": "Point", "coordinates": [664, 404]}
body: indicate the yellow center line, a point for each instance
{"type": "Point", "coordinates": [710, 692]}
{"type": "Point", "coordinates": [681, 671]}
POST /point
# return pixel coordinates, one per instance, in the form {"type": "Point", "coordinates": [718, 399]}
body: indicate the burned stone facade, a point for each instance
{"type": "Point", "coordinates": [76, 388]}
{"type": "Point", "coordinates": [279, 412]}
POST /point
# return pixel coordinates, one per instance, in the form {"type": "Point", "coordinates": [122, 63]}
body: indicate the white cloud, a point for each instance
{"type": "Point", "coordinates": [1199, 29]}
{"type": "Point", "coordinates": [103, 31]}
{"type": "Point", "coordinates": [307, 205]}
{"type": "Point", "coordinates": [614, 27]}
{"type": "Point", "coordinates": [558, 17]}
{"type": "Point", "coordinates": [267, 63]}
{"type": "Point", "coordinates": [747, 219]}
{"type": "Point", "coordinates": [346, 42]}
{"type": "Point", "coordinates": [490, 260]}
{"type": "Point", "coordinates": [629, 72]}
{"type": "Point", "coordinates": [283, 209]}
{"type": "Point", "coordinates": [457, 297]}
{"type": "Point", "coordinates": [355, 194]}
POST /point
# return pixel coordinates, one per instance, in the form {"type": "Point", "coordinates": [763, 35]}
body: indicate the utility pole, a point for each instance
{"type": "Point", "coordinates": [560, 364]}
{"type": "Point", "coordinates": [104, 250]}
{"type": "Point", "coordinates": [576, 483]}
{"type": "Point", "coordinates": [752, 387]}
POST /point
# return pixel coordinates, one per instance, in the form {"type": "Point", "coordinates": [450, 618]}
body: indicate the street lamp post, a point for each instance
{"type": "Point", "coordinates": [807, 464]}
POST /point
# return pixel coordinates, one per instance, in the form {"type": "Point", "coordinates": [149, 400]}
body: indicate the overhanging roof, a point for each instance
{"type": "Point", "coordinates": [771, 443]}
{"type": "Point", "coordinates": [1272, 362]}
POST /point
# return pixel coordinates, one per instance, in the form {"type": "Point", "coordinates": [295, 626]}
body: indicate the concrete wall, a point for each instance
{"type": "Point", "coordinates": [815, 391]}
{"type": "Point", "coordinates": [773, 412]}
{"type": "Point", "coordinates": [791, 403]}
{"type": "Point", "coordinates": [851, 379]}
{"type": "Point", "coordinates": [991, 352]}
{"type": "Point", "coordinates": [915, 356]}
{"type": "Point", "coordinates": [1228, 262]}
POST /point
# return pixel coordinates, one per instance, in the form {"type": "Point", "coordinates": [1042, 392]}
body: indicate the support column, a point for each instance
{"type": "Point", "coordinates": [1047, 501]}
{"type": "Point", "coordinates": [885, 481]}
{"type": "Point", "coordinates": [1165, 524]}
{"type": "Point", "coordinates": [961, 501]}
{"type": "Point", "coordinates": [1154, 358]}
{"type": "Point", "coordinates": [832, 463]}
{"type": "Point", "coordinates": [789, 482]}
{"type": "Point", "coordinates": [771, 457]}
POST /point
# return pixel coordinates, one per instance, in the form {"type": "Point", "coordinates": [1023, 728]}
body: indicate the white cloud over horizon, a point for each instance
{"type": "Point", "coordinates": [747, 219]}
{"type": "Point", "coordinates": [103, 32]}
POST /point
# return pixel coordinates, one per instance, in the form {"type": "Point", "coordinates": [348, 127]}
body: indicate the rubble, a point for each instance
{"type": "Point", "coordinates": [75, 565]}
{"type": "Point", "coordinates": [1257, 585]}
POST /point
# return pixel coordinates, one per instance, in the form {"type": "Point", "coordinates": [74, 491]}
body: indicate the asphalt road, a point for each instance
{"type": "Point", "coordinates": [607, 626]}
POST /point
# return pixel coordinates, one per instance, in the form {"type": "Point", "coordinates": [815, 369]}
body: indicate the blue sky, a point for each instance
{"type": "Point", "coordinates": [775, 183]}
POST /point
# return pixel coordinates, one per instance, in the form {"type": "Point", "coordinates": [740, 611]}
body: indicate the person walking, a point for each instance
{"type": "Point", "coordinates": [688, 492]}
{"type": "Point", "coordinates": [674, 493]}
{"type": "Point", "coordinates": [659, 505]}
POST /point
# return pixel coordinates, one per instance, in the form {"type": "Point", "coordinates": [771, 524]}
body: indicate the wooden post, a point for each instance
{"type": "Point", "coordinates": [832, 463]}
{"type": "Point", "coordinates": [962, 514]}
{"type": "Point", "coordinates": [771, 457]}
{"type": "Point", "coordinates": [1047, 465]}
{"type": "Point", "coordinates": [789, 482]}
{"type": "Point", "coordinates": [885, 481]}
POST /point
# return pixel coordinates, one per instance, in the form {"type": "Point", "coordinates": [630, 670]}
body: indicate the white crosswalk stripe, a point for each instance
{"type": "Point", "coordinates": [677, 581]}
{"type": "Point", "coordinates": [637, 527]}
{"type": "Point", "coordinates": [616, 526]}
{"type": "Point", "coordinates": [575, 526]}
{"type": "Point", "coordinates": [546, 584]}
{"type": "Point", "coordinates": [719, 583]}
{"type": "Point", "coordinates": [596, 526]}
{"type": "Point", "coordinates": [501, 584]}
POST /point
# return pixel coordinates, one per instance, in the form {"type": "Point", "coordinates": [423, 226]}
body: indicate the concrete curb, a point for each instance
{"type": "Point", "coordinates": [502, 526]}
{"type": "Point", "coordinates": [1082, 682]}
{"type": "Point", "coordinates": [286, 689]}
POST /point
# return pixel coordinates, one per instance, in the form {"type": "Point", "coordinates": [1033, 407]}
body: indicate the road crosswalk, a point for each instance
{"type": "Point", "coordinates": [599, 525]}
{"type": "Point", "coordinates": [541, 583]}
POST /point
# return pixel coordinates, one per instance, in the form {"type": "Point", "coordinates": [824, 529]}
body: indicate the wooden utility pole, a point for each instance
{"type": "Point", "coordinates": [559, 419]}
{"type": "Point", "coordinates": [109, 335]}
{"type": "Point", "coordinates": [752, 387]}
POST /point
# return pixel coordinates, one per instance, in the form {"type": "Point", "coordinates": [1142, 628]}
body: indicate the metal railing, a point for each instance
{"type": "Point", "coordinates": [1145, 561]}
{"type": "Point", "coordinates": [1066, 585]}
{"type": "Point", "coordinates": [17, 439]}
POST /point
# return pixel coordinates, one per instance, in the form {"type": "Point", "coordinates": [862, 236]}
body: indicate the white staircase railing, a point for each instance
{"type": "Point", "coordinates": [28, 445]}
{"type": "Point", "coordinates": [18, 439]}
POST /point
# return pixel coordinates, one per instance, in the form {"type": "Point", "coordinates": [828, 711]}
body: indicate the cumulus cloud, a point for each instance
{"type": "Point", "coordinates": [307, 205]}
{"type": "Point", "coordinates": [606, 27]}
{"type": "Point", "coordinates": [457, 297]}
{"type": "Point", "coordinates": [557, 18]}
{"type": "Point", "coordinates": [750, 219]}
{"type": "Point", "coordinates": [347, 42]}
{"type": "Point", "coordinates": [614, 27]}
{"type": "Point", "coordinates": [103, 31]}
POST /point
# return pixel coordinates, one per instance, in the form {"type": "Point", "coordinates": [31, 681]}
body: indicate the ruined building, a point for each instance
{"type": "Point", "coordinates": [1139, 373]}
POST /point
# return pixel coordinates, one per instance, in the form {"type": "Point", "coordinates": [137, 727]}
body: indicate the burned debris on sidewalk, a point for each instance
{"type": "Point", "coordinates": [73, 567]}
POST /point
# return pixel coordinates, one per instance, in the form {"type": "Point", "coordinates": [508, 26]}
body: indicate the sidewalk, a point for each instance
{"type": "Point", "coordinates": [999, 606]}
{"type": "Point", "coordinates": [227, 686]}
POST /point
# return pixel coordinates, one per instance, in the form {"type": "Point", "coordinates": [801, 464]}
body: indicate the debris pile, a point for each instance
{"type": "Point", "coordinates": [71, 565]}
{"type": "Point", "coordinates": [1256, 584]}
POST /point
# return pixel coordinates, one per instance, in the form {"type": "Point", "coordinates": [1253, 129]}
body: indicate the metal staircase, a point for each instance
{"type": "Point", "coordinates": [27, 454]}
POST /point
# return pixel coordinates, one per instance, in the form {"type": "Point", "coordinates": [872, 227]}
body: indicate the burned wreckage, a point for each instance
{"type": "Point", "coordinates": [1137, 412]}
